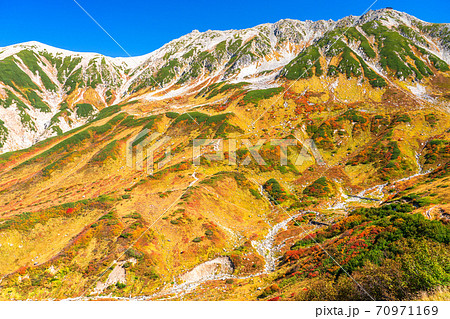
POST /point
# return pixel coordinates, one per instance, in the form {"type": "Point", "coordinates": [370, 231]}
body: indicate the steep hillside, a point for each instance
{"type": "Point", "coordinates": [371, 92]}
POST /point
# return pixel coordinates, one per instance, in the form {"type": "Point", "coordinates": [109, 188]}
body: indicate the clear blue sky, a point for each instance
{"type": "Point", "coordinates": [143, 26]}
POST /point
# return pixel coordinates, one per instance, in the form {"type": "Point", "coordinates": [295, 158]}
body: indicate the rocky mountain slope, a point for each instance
{"type": "Point", "coordinates": [46, 91]}
{"type": "Point", "coordinates": [373, 94]}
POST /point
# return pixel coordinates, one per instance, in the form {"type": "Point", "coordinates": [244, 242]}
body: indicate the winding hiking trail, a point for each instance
{"type": "Point", "coordinates": [222, 268]}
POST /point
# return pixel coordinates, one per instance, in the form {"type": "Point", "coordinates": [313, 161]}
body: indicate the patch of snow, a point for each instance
{"type": "Point", "coordinates": [418, 90]}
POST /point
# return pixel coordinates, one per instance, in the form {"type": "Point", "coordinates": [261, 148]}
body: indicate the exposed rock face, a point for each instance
{"type": "Point", "coordinates": [117, 275]}
{"type": "Point", "coordinates": [211, 269]}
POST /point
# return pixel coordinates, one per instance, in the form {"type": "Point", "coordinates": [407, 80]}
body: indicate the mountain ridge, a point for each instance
{"type": "Point", "coordinates": [370, 15]}
{"type": "Point", "coordinates": [193, 60]}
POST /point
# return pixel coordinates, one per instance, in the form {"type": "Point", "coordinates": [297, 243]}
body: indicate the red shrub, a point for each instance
{"type": "Point", "coordinates": [274, 298]}
{"type": "Point", "coordinates": [292, 254]}
{"type": "Point", "coordinates": [22, 270]}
